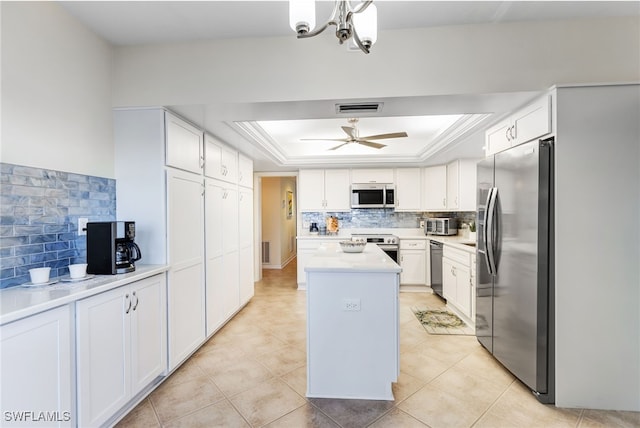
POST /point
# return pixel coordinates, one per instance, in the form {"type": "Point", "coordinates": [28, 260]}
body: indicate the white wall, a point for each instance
{"type": "Point", "coordinates": [56, 91]}
{"type": "Point", "coordinates": [597, 162]}
{"type": "Point", "coordinates": [472, 59]}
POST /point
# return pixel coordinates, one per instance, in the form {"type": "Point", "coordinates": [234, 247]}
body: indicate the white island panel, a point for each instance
{"type": "Point", "coordinates": [352, 324]}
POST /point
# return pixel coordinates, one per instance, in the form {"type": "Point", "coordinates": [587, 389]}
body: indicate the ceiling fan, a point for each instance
{"type": "Point", "coordinates": [353, 137]}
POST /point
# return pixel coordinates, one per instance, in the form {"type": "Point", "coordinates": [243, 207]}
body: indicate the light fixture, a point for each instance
{"type": "Point", "coordinates": [346, 18]}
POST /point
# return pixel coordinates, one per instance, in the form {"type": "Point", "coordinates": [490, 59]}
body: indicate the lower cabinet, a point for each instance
{"type": "Point", "coordinates": [121, 347]}
{"type": "Point", "coordinates": [456, 280]}
{"type": "Point", "coordinates": [36, 371]}
{"type": "Point", "coordinates": [413, 260]}
{"type": "Point", "coordinates": [306, 249]}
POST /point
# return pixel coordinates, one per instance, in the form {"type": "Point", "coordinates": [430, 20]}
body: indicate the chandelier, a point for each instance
{"type": "Point", "coordinates": [359, 22]}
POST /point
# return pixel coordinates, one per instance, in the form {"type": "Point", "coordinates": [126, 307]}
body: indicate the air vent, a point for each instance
{"type": "Point", "coordinates": [359, 108]}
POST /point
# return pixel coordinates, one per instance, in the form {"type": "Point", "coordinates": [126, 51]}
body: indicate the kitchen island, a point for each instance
{"type": "Point", "coordinates": [353, 341]}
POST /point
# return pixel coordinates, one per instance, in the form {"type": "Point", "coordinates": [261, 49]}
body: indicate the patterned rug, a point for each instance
{"type": "Point", "coordinates": [441, 321]}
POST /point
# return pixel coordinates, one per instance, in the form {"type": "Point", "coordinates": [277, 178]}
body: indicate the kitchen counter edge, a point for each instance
{"type": "Point", "coordinates": [17, 302]}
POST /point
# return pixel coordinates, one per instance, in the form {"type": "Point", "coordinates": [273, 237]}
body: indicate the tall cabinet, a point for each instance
{"type": "Point", "coordinates": [181, 188]}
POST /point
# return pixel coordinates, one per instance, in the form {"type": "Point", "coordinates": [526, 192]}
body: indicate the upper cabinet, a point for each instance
{"type": "Point", "coordinates": [245, 171]}
{"type": "Point", "coordinates": [526, 124]}
{"type": "Point", "coordinates": [324, 190]}
{"type": "Point", "coordinates": [461, 185]}
{"type": "Point", "coordinates": [221, 162]}
{"type": "Point", "coordinates": [372, 176]}
{"type": "Point", "coordinates": [408, 189]}
{"type": "Point", "coordinates": [434, 188]}
{"type": "Point", "coordinates": [183, 144]}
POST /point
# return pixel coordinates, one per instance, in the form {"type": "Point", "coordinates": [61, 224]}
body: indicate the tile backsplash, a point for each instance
{"type": "Point", "coordinates": [381, 217]}
{"type": "Point", "coordinates": [39, 211]}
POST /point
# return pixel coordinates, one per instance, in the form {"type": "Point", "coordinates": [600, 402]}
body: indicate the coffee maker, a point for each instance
{"type": "Point", "coordinates": [111, 248]}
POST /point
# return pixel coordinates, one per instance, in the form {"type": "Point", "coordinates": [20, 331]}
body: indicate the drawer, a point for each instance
{"type": "Point", "coordinates": [459, 256]}
{"type": "Point", "coordinates": [413, 244]}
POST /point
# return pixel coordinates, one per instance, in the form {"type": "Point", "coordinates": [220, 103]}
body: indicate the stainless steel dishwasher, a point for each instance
{"type": "Point", "coordinates": [435, 251]}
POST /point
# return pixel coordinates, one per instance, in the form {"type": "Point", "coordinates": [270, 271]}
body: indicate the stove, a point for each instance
{"type": "Point", "coordinates": [386, 242]}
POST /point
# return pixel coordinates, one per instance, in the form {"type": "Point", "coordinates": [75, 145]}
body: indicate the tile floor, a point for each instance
{"type": "Point", "coordinates": [252, 373]}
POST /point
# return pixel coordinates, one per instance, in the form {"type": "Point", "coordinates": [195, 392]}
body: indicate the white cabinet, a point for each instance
{"type": "Point", "coordinates": [528, 123]}
{"type": "Point", "coordinates": [408, 189]}
{"type": "Point", "coordinates": [413, 260]}
{"type": "Point", "coordinates": [306, 249]}
{"type": "Point", "coordinates": [36, 368]}
{"type": "Point", "coordinates": [245, 215]}
{"type": "Point", "coordinates": [372, 175]}
{"type": "Point", "coordinates": [121, 347]}
{"type": "Point", "coordinates": [461, 185]}
{"type": "Point", "coordinates": [221, 161]}
{"type": "Point", "coordinates": [324, 190]}
{"type": "Point", "coordinates": [434, 189]}
{"type": "Point", "coordinates": [183, 144]}
{"type": "Point", "coordinates": [456, 280]}
{"type": "Point", "coordinates": [186, 292]}
{"type": "Point", "coordinates": [245, 171]}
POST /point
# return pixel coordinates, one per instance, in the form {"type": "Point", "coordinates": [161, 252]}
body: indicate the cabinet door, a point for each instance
{"type": "Point", "coordinates": [408, 189]}
{"type": "Point", "coordinates": [337, 190]}
{"type": "Point", "coordinates": [372, 175]}
{"type": "Point", "coordinates": [413, 267]}
{"type": "Point", "coordinates": [245, 217]}
{"type": "Point", "coordinates": [453, 182]}
{"type": "Point", "coordinates": [214, 226]}
{"type": "Point", "coordinates": [185, 297]}
{"type": "Point", "coordinates": [229, 165]}
{"type": "Point", "coordinates": [230, 232]}
{"type": "Point", "coordinates": [463, 288]}
{"type": "Point", "coordinates": [148, 331]}
{"type": "Point", "coordinates": [103, 365]}
{"type": "Point", "coordinates": [498, 138]}
{"type": "Point", "coordinates": [435, 188]}
{"type": "Point", "coordinates": [448, 280]}
{"type": "Point", "coordinates": [533, 121]}
{"type": "Point", "coordinates": [183, 145]}
{"type": "Point", "coordinates": [231, 282]}
{"type": "Point", "coordinates": [212, 157]}
{"type": "Point", "coordinates": [36, 367]}
{"type": "Point", "coordinates": [311, 189]}
{"type": "Point", "coordinates": [246, 288]}
{"type": "Point", "coordinates": [245, 171]}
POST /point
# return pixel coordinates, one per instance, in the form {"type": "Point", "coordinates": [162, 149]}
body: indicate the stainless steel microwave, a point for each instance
{"type": "Point", "coordinates": [373, 195]}
{"type": "Point", "coordinates": [441, 226]}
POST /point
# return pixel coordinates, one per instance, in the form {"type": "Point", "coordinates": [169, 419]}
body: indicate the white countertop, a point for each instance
{"type": "Point", "coordinates": [330, 258]}
{"type": "Point", "coordinates": [19, 302]}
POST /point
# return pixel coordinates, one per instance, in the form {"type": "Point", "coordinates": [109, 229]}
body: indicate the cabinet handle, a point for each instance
{"type": "Point", "coordinates": [126, 297]}
{"type": "Point", "coordinates": [201, 162]}
{"type": "Point", "coordinates": [135, 305]}
{"type": "Point", "coordinates": [444, 202]}
{"type": "Point", "coordinates": [453, 271]}
{"type": "Point", "coordinates": [507, 132]}
{"type": "Point", "coordinates": [240, 176]}
{"type": "Point", "coordinates": [513, 132]}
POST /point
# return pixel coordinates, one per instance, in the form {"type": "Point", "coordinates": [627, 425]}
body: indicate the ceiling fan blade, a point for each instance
{"type": "Point", "coordinates": [338, 146]}
{"type": "Point", "coordinates": [383, 136]}
{"type": "Point", "coordinates": [350, 131]}
{"type": "Point", "coordinates": [371, 144]}
{"type": "Point", "coordinates": [324, 139]}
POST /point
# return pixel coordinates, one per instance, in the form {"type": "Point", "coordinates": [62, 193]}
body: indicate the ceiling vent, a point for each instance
{"type": "Point", "coordinates": [358, 108]}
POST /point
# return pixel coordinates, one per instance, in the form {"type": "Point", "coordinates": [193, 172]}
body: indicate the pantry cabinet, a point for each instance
{"type": "Point", "coordinates": [530, 122]}
{"type": "Point", "coordinates": [324, 190]}
{"type": "Point", "coordinates": [245, 216]}
{"type": "Point", "coordinates": [221, 161]}
{"type": "Point", "coordinates": [408, 189]}
{"type": "Point", "coordinates": [434, 188]}
{"type": "Point", "coordinates": [36, 368]}
{"type": "Point", "coordinates": [183, 144]}
{"type": "Point", "coordinates": [121, 347]}
{"type": "Point", "coordinates": [245, 171]}
{"type": "Point", "coordinates": [413, 260]}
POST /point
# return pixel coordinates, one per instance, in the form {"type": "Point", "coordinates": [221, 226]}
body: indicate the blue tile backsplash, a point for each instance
{"type": "Point", "coordinates": [382, 218]}
{"type": "Point", "coordinates": [39, 211]}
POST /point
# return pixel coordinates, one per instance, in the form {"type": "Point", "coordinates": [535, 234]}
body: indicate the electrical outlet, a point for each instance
{"type": "Point", "coordinates": [421, 224]}
{"type": "Point", "coordinates": [82, 226]}
{"type": "Point", "coordinates": [350, 304]}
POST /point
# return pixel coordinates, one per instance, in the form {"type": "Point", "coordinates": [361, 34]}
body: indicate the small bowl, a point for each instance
{"type": "Point", "coordinates": [78, 270]}
{"type": "Point", "coordinates": [39, 275]}
{"type": "Point", "coordinates": [352, 246]}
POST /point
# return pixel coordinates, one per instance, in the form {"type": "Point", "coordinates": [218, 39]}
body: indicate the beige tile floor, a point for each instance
{"type": "Point", "coordinates": [252, 373]}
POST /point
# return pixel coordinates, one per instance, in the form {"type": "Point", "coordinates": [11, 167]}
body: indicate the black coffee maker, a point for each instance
{"type": "Point", "coordinates": [111, 248]}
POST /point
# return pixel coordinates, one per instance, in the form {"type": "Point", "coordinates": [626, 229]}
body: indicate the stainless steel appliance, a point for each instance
{"type": "Point", "coordinates": [373, 195]}
{"type": "Point", "coordinates": [515, 288]}
{"type": "Point", "coordinates": [111, 248]}
{"type": "Point", "coordinates": [441, 226]}
{"type": "Point", "coordinates": [435, 252]}
{"type": "Point", "coordinates": [388, 243]}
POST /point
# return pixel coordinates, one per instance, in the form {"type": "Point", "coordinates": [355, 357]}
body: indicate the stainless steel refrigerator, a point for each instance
{"type": "Point", "coordinates": [514, 294]}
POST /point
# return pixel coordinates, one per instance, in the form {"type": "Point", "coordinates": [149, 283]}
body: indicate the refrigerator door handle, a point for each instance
{"type": "Point", "coordinates": [489, 232]}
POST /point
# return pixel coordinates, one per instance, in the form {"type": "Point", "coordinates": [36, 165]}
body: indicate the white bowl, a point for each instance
{"type": "Point", "coordinates": [78, 270]}
{"type": "Point", "coordinates": [352, 246]}
{"type": "Point", "coordinates": [39, 275]}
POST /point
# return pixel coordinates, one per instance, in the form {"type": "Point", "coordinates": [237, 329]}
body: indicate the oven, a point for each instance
{"type": "Point", "coordinates": [388, 243]}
